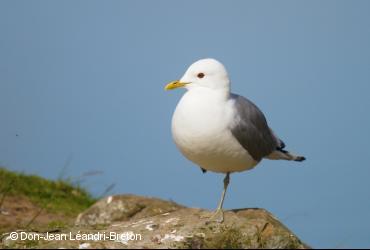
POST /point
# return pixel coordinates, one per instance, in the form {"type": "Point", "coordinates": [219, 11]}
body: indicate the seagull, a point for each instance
{"type": "Point", "coordinates": [220, 131]}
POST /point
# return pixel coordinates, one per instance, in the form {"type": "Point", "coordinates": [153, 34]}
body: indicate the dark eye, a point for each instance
{"type": "Point", "coordinates": [200, 75]}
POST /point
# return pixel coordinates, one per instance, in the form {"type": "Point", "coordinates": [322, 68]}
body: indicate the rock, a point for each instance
{"type": "Point", "coordinates": [123, 208]}
{"type": "Point", "coordinates": [127, 221]}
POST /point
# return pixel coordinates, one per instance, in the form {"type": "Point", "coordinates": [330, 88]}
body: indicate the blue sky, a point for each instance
{"type": "Point", "coordinates": [81, 89]}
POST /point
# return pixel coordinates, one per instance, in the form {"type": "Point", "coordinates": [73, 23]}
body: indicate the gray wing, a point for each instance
{"type": "Point", "coordinates": [251, 130]}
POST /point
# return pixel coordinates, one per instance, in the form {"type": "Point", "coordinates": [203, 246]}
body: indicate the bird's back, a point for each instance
{"type": "Point", "coordinates": [251, 130]}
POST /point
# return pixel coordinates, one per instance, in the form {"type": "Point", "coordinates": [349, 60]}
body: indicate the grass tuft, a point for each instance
{"type": "Point", "coordinates": [55, 196]}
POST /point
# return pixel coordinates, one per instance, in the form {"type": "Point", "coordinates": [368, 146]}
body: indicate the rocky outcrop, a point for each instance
{"type": "Point", "coordinates": [123, 208]}
{"type": "Point", "coordinates": [138, 222]}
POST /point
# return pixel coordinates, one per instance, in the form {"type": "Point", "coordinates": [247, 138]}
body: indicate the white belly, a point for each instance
{"type": "Point", "coordinates": [200, 131]}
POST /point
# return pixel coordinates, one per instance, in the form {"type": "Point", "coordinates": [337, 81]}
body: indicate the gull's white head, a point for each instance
{"type": "Point", "coordinates": [205, 73]}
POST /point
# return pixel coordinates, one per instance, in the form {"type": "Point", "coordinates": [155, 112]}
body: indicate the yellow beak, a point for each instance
{"type": "Point", "coordinates": [175, 85]}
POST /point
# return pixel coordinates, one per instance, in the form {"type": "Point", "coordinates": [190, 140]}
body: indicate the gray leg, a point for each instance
{"type": "Point", "coordinates": [218, 216]}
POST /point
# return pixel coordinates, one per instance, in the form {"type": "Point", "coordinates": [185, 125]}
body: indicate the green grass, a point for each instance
{"type": "Point", "coordinates": [54, 196]}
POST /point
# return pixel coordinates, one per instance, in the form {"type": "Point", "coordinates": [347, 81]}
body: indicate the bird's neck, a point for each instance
{"type": "Point", "coordinates": [221, 94]}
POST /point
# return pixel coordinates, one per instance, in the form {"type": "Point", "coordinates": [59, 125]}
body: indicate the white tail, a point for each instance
{"type": "Point", "coordinates": [284, 155]}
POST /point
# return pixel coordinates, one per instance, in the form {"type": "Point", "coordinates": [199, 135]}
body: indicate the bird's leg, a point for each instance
{"type": "Point", "coordinates": [218, 216]}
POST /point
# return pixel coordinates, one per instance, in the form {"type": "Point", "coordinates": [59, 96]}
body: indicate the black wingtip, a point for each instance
{"type": "Point", "coordinates": [300, 158]}
{"type": "Point", "coordinates": [203, 170]}
{"type": "Point", "coordinates": [282, 144]}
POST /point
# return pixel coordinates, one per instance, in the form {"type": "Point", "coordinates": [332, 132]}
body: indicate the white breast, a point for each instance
{"type": "Point", "coordinates": [200, 128]}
